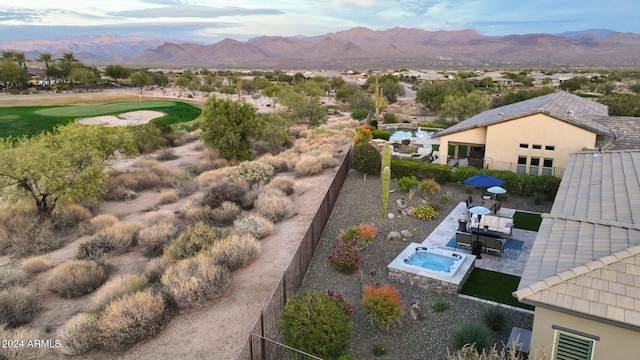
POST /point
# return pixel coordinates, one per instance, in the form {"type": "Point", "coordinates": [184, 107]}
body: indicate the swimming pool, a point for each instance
{"type": "Point", "coordinates": [408, 134]}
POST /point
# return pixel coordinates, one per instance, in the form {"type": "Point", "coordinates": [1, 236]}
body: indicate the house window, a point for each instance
{"type": "Point", "coordinates": [570, 346]}
{"type": "Point", "coordinates": [536, 147]}
{"type": "Point", "coordinates": [547, 166]}
{"type": "Point", "coordinates": [549, 147]}
{"type": "Point", "coordinates": [522, 164]}
{"type": "Point", "coordinates": [524, 146]}
{"type": "Point", "coordinates": [534, 165]}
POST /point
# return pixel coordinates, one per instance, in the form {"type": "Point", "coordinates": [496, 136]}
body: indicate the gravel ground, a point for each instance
{"type": "Point", "coordinates": [359, 202]}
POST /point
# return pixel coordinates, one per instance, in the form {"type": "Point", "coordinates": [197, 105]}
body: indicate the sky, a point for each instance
{"type": "Point", "coordinates": [209, 21]}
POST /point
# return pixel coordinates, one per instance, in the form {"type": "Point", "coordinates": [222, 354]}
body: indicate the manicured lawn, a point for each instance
{"type": "Point", "coordinates": [527, 221]}
{"type": "Point", "coordinates": [494, 286]}
{"type": "Point", "coordinates": [30, 120]}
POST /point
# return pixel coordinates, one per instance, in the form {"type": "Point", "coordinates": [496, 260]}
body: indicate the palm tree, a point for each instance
{"type": "Point", "coordinates": [9, 54]}
{"type": "Point", "coordinates": [66, 64]}
{"type": "Point", "coordinates": [68, 57]}
{"type": "Point", "coordinates": [46, 58]}
{"type": "Point", "coordinates": [20, 59]}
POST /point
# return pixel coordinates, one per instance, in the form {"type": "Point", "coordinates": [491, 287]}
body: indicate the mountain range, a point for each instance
{"type": "Point", "coordinates": [357, 48]}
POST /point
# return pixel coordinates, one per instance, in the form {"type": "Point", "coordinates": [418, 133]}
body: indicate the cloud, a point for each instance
{"type": "Point", "coordinates": [17, 15]}
{"type": "Point", "coordinates": [194, 11]}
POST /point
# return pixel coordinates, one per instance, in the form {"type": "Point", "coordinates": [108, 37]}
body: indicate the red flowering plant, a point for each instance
{"type": "Point", "coordinates": [345, 257]}
{"type": "Point", "coordinates": [348, 308]}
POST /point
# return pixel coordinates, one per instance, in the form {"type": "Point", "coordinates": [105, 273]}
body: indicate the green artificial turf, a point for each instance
{"type": "Point", "coordinates": [494, 286]}
{"type": "Point", "coordinates": [30, 120]}
{"type": "Point", "coordinates": [527, 221]}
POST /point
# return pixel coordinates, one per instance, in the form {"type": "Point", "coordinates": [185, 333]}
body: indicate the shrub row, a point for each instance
{"type": "Point", "coordinates": [522, 183]}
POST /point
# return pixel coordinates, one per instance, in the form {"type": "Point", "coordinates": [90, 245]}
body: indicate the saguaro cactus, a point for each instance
{"type": "Point", "coordinates": [384, 181]}
{"type": "Point", "coordinates": [378, 99]}
{"type": "Point", "coordinates": [386, 157]}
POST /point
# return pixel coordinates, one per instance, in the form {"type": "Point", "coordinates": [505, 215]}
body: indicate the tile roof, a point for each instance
{"type": "Point", "coordinates": [627, 128]}
{"type": "Point", "coordinates": [591, 236]}
{"type": "Point", "coordinates": [561, 105]}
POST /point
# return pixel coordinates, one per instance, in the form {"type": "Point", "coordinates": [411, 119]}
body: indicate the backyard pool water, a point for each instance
{"type": "Point", "coordinates": [432, 261]}
{"type": "Point", "coordinates": [408, 134]}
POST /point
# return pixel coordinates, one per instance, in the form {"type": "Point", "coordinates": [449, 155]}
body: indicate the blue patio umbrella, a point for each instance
{"type": "Point", "coordinates": [483, 180]}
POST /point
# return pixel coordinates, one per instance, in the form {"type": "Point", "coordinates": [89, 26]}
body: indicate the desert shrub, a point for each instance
{"type": "Point", "coordinates": [389, 118]}
{"type": "Point", "coordinates": [345, 256]}
{"type": "Point", "coordinates": [284, 184]}
{"type": "Point", "coordinates": [225, 214]}
{"type": "Point", "coordinates": [366, 159]}
{"type": "Point", "coordinates": [185, 185]}
{"type": "Point", "coordinates": [440, 306]}
{"type": "Point", "coordinates": [12, 277]}
{"type": "Point", "coordinates": [168, 197]}
{"type": "Point", "coordinates": [471, 353]}
{"type": "Point", "coordinates": [117, 288]}
{"type": "Point", "coordinates": [381, 134]}
{"type": "Point", "coordinates": [435, 206]}
{"type": "Point", "coordinates": [359, 114]}
{"type": "Point", "coordinates": [192, 240]}
{"type": "Point", "coordinates": [317, 324]}
{"type": "Point", "coordinates": [194, 214]}
{"type": "Point", "coordinates": [35, 264]}
{"type": "Point", "coordinates": [378, 350]}
{"type": "Point", "coordinates": [154, 269]}
{"type": "Point", "coordinates": [308, 166]}
{"type": "Point", "coordinates": [93, 249]}
{"type": "Point", "coordinates": [425, 212]}
{"type": "Point", "coordinates": [28, 236]}
{"type": "Point", "coordinates": [274, 205]}
{"type": "Point", "coordinates": [21, 334]}
{"type": "Point", "coordinates": [119, 236]}
{"type": "Point", "coordinates": [280, 163]}
{"type": "Point", "coordinates": [69, 216]}
{"type": "Point", "coordinates": [133, 318]}
{"type": "Point", "coordinates": [235, 251]}
{"type": "Point", "coordinates": [196, 280]}
{"type": "Point", "coordinates": [429, 187]}
{"type": "Point", "coordinates": [405, 183]}
{"type": "Point", "coordinates": [166, 154]}
{"type": "Point", "coordinates": [225, 189]}
{"type": "Point", "coordinates": [445, 198]}
{"type": "Point", "coordinates": [136, 180]}
{"type": "Point", "coordinates": [408, 167]}
{"type": "Point", "coordinates": [202, 165]}
{"type": "Point", "coordinates": [470, 333]}
{"type": "Point", "coordinates": [362, 234]}
{"type": "Point", "coordinates": [382, 305]}
{"type": "Point", "coordinates": [102, 221]}
{"type": "Point", "coordinates": [494, 319]}
{"type": "Point", "coordinates": [75, 277]}
{"type": "Point", "coordinates": [253, 172]}
{"type": "Point", "coordinates": [253, 224]}
{"type": "Point", "coordinates": [79, 335]}
{"type": "Point", "coordinates": [157, 216]}
{"type": "Point", "coordinates": [17, 306]}
{"type": "Point", "coordinates": [152, 239]}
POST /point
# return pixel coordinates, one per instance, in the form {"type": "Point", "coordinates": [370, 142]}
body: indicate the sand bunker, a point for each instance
{"type": "Point", "coordinates": [125, 119]}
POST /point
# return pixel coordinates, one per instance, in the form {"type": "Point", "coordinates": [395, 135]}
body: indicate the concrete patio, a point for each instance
{"type": "Point", "coordinates": [448, 227]}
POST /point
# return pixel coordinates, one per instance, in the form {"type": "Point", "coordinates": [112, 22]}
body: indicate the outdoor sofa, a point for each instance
{"type": "Point", "coordinates": [495, 223]}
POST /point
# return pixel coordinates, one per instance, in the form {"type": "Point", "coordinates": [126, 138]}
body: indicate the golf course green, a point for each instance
{"type": "Point", "coordinates": [30, 120]}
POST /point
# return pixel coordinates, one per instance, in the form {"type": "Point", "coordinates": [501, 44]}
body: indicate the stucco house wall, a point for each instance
{"type": "Point", "coordinates": [614, 342]}
{"type": "Point", "coordinates": [504, 139]}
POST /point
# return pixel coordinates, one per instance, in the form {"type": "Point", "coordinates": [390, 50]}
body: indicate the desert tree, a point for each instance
{"type": "Point", "coordinates": [230, 127]}
{"type": "Point", "coordinates": [11, 73]}
{"type": "Point", "coordinates": [65, 165]}
{"type": "Point", "coordinates": [117, 72]}
{"type": "Point", "coordinates": [461, 107]}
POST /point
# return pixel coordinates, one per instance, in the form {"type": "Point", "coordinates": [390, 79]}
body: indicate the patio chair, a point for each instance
{"type": "Point", "coordinates": [463, 239]}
